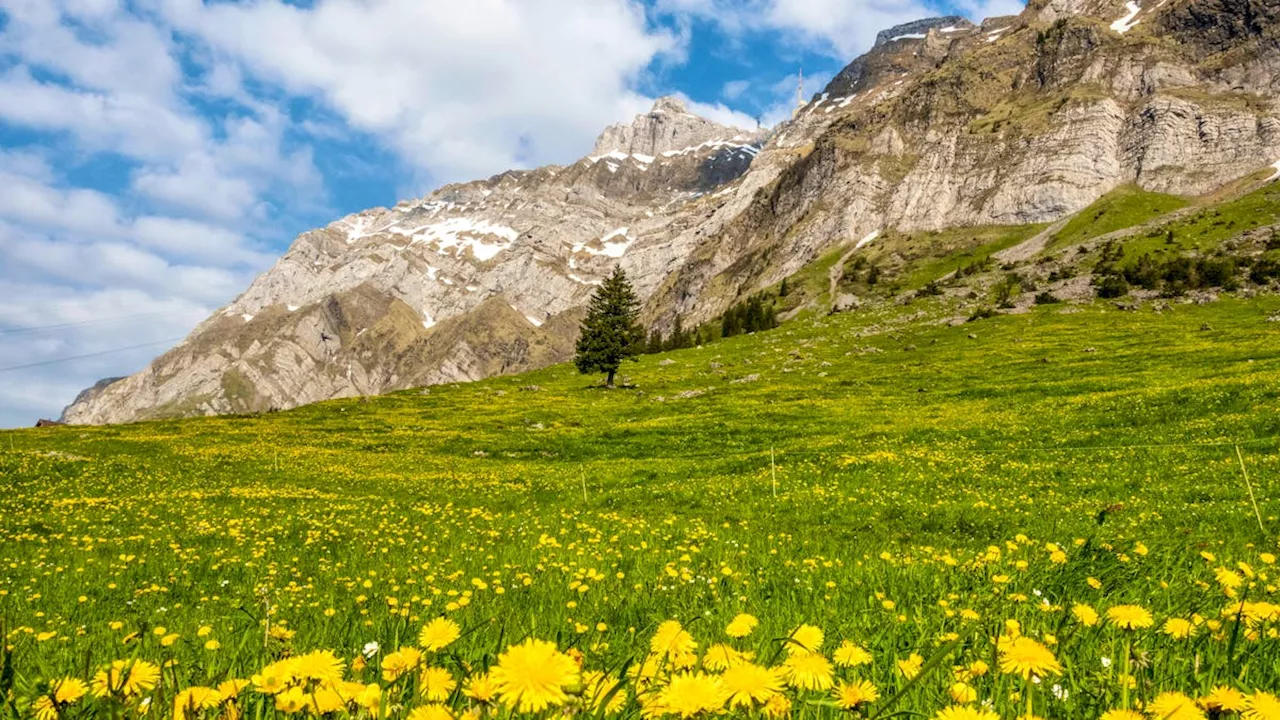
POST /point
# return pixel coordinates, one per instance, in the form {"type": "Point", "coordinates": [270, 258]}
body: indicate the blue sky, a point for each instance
{"type": "Point", "coordinates": [155, 155]}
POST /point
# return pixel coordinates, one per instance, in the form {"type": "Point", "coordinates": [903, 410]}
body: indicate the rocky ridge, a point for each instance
{"type": "Point", "coordinates": [944, 123]}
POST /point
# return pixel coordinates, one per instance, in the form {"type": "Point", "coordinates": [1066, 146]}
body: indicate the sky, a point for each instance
{"type": "Point", "coordinates": [156, 155]}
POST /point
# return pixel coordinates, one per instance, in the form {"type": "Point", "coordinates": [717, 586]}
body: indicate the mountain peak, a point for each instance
{"type": "Point", "coordinates": [669, 104]}
{"type": "Point", "coordinates": [667, 127]}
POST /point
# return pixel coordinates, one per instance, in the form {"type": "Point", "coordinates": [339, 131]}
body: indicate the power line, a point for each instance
{"type": "Point", "coordinates": [87, 355]}
{"type": "Point", "coordinates": [37, 328]}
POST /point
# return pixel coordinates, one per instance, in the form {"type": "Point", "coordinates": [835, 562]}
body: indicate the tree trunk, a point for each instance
{"type": "Point", "coordinates": [610, 380]}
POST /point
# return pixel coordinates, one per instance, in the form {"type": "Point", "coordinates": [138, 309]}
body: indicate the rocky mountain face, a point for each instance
{"type": "Point", "coordinates": [944, 123]}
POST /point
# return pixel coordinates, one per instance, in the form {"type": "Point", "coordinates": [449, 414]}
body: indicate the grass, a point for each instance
{"type": "Point", "coordinates": [1122, 208]}
{"type": "Point", "coordinates": [903, 486]}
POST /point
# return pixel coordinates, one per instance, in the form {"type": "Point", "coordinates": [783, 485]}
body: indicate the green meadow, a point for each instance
{"type": "Point", "coordinates": [928, 493]}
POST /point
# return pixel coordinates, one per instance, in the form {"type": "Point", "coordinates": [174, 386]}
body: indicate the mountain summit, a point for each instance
{"type": "Point", "coordinates": [667, 128]}
{"type": "Point", "coordinates": [944, 124]}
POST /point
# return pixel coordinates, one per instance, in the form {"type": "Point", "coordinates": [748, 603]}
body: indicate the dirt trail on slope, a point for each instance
{"type": "Point", "coordinates": [837, 272]}
{"type": "Point", "coordinates": [1029, 248]}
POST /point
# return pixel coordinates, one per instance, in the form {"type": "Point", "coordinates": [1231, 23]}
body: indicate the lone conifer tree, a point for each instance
{"type": "Point", "coordinates": [610, 334]}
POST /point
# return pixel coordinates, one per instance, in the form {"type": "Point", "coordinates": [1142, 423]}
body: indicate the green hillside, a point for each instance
{"type": "Point", "coordinates": [900, 483]}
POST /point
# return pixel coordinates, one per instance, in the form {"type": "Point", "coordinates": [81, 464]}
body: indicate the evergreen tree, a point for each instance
{"type": "Point", "coordinates": [610, 333]}
{"type": "Point", "coordinates": [655, 344]}
{"type": "Point", "coordinates": [678, 339]}
{"type": "Point", "coordinates": [784, 290]}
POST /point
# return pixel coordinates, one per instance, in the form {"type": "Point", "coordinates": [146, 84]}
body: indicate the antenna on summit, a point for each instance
{"type": "Point", "coordinates": [800, 90]}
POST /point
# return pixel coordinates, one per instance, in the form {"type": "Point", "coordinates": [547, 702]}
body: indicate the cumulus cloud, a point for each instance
{"type": "Point", "coordinates": [459, 89]}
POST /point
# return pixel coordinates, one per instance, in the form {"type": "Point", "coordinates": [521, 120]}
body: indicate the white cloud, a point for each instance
{"type": "Point", "coordinates": [733, 89]}
{"type": "Point", "coordinates": [459, 89]}
{"type": "Point", "coordinates": [842, 29]}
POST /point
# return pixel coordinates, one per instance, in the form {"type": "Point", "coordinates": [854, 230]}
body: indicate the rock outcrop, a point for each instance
{"type": "Point", "coordinates": [1022, 119]}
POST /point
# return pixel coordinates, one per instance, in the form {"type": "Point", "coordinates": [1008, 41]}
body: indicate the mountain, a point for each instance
{"type": "Point", "coordinates": [1018, 121]}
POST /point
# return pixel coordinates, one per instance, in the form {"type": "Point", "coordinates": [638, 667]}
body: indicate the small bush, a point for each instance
{"type": "Point", "coordinates": [1113, 286]}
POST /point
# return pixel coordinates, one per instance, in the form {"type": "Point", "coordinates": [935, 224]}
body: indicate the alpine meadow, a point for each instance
{"type": "Point", "coordinates": [953, 396]}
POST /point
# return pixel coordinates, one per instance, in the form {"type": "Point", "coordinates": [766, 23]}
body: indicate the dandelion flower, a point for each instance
{"type": "Point", "coordinates": [805, 639]}
{"type": "Point", "coordinates": [911, 666]}
{"type": "Point", "coordinates": [691, 694]}
{"type": "Point", "coordinates": [1262, 706]}
{"type": "Point", "coordinates": [810, 671]}
{"type": "Point", "coordinates": [850, 654]}
{"type": "Point", "coordinates": [962, 693]}
{"type": "Point", "coordinates": [129, 678]}
{"type": "Point", "coordinates": [192, 701]}
{"type": "Point", "coordinates": [741, 626]}
{"type": "Point", "coordinates": [748, 685]}
{"type": "Point", "coordinates": [1085, 614]}
{"type": "Point", "coordinates": [396, 664]}
{"type": "Point", "coordinates": [430, 712]}
{"type": "Point", "coordinates": [965, 712]}
{"type": "Point", "coordinates": [1224, 699]}
{"type": "Point", "coordinates": [779, 706]}
{"type": "Point", "coordinates": [436, 684]}
{"type": "Point", "coordinates": [1130, 617]}
{"type": "Point", "coordinates": [1026, 657]}
{"type": "Point", "coordinates": [44, 708]}
{"type": "Point", "coordinates": [1178, 628]}
{"type": "Point", "coordinates": [439, 634]}
{"type": "Point", "coordinates": [720, 656]}
{"type": "Point", "coordinates": [480, 688]}
{"type": "Point", "coordinates": [68, 690]}
{"type": "Point", "coordinates": [671, 640]}
{"type": "Point", "coordinates": [318, 665]}
{"type": "Point", "coordinates": [532, 676]}
{"type": "Point", "coordinates": [851, 695]}
{"type": "Point", "coordinates": [1174, 706]}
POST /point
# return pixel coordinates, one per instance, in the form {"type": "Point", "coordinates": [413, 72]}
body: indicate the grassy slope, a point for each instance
{"type": "Point", "coordinates": [1036, 426]}
{"type": "Point", "coordinates": [1121, 208]}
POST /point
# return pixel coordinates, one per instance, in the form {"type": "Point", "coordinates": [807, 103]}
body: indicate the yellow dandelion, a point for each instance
{"type": "Point", "coordinates": [318, 665]}
{"type": "Point", "coordinates": [291, 701]}
{"type": "Point", "coordinates": [911, 666]}
{"type": "Point", "coordinates": [962, 693]}
{"type": "Point", "coordinates": [436, 684]}
{"type": "Point", "coordinates": [1130, 617]}
{"type": "Point", "coordinates": [128, 678]}
{"type": "Point", "coordinates": [67, 691]}
{"type": "Point", "coordinates": [430, 712]}
{"type": "Point", "coordinates": [532, 676]}
{"type": "Point", "coordinates": [1178, 628]}
{"type": "Point", "coordinates": [396, 664]}
{"type": "Point", "coordinates": [480, 688]}
{"type": "Point", "coordinates": [851, 695]}
{"type": "Point", "coordinates": [44, 708]}
{"type": "Point", "coordinates": [1224, 699]}
{"type": "Point", "coordinates": [741, 626]}
{"type": "Point", "coordinates": [692, 694]}
{"type": "Point", "coordinates": [672, 640]}
{"type": "Point", "coordinates": [193, 701]}
{"type": "Point", "coordinates": [1085, 614]}
{"type": "Point", "coordinates": [779, 706]}
{"type": "Point", "coordinates": [721, 656]}
{"type": "Point", "coordinates": [749, 685]}
{"type": "Point", "coordinates": [439, 634]}
{"type": "Point", "coordinates": [965, 712]}
{"type": "Point", "coordinates": [805, 639]}
{"type": "Point", "coordinates": [1262, 706]}
{"type": "Point", "coordinates": [808, 671]}
{"type": "Point", "coordinates": [1026, 657]}
{"type": "Point", "coordinates": [1174, 706]}
{"type": "Point", "coordinates": [850, 654]}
